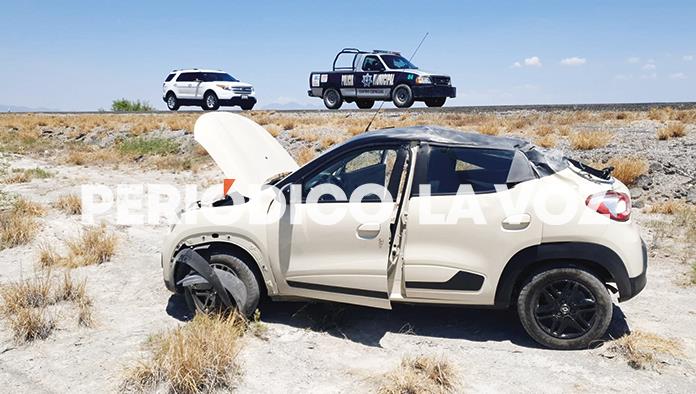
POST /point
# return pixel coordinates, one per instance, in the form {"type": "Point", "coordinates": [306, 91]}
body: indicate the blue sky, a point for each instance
{"type": "Point", "coordinates": [81, 55]}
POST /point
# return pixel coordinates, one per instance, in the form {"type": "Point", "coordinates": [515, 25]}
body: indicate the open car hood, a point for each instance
{"type": "Point", "coordinates": [243, 150]}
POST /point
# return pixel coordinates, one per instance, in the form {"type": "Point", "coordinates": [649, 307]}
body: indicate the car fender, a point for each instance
{"type": "Point", "coordinates": [598, 258]}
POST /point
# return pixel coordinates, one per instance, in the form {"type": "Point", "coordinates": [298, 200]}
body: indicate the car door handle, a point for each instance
{"type": "Point", "coordinates": [368, 230]}
{"type": "Point", "coordinates": [517, 222]}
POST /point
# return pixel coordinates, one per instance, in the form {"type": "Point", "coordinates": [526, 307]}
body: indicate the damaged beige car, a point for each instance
{"type": "Point", "coordinates": [440, 217]}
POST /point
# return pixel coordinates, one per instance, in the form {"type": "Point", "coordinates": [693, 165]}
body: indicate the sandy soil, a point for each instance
{"type": "Point", "coordinates": [315, 347]}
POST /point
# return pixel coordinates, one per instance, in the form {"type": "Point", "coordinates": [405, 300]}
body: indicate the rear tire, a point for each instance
{"type": "Point", "coordinates": [365, 104]}
{"type": "Point", "coordinates": [435, 101]}
{"type": "Point", "coordinates": [172, 102]}
{"type": "Point", "coordinates": [332, 99]}
{"type": "Point", "coordinates": [565, 308]}
{"type": "Point", "coordinates": [402, 96]}
{"type": "Point", "coordinates": [210, 102]}
{"type": "Point", "coordinates": [240, 270]}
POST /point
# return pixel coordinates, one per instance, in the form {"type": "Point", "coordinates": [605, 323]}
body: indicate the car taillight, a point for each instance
{"type": "Point", "coordinates": [614, 204]}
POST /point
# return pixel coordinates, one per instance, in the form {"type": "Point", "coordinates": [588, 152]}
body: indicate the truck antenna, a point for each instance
{"type": "Point", "coordinates": [382, 103]}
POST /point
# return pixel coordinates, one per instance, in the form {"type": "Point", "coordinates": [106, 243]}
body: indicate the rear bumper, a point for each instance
{"type": "Point", "coordinates": [428, 91]}
{"type": "Point", "coordinates": [637, 284]}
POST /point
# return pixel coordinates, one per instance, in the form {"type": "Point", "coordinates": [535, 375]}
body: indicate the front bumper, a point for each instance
{"type": "Point", "coordinates": [238, 100]}
{"type": "Point", "coordinates": [431, 91]}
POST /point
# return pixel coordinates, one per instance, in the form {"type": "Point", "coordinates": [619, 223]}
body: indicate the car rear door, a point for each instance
{"type": "Point", "coordinates": [458, 244]}
{"type": "Point", "coordinates": [344, 259]}
{"type": "Point", "coordinates": [184, 85]}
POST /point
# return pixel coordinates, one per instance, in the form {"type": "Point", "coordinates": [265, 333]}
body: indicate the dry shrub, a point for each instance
{"type": "Point", "coordinates": [655, 113]}
{"type": "Point", "coordinates": [288, 125]}
{"type": "Point", "coordinates": [564, 131]}
{"type": "Point", "coordinates": [544, 130]}
{"type": "Point", "coordinates": [305, 155]}
{"type": "Point", "coordinates": [328, 141]}
{"type": "Point", "coordinates": [197, 357]}
{"type": "Point", "coordinates": [356, 129]}
{"type": "Point", "coordinates": [24, 175]}
{"type": "Point", "coordinates": [70, 204]}
{"type": "Point", "coordinates": [628, 169]}
{"type": "Point", "coordinates": [25, 304]}
{"type": "Point", "coordinates": [672, 130]}
{"type": "Point", "coordinates": [644, 350]}
{"type": "Point", "coordinates": [669, 207]}
{"type": "Point", "coordinates": [419, 375]}
{"type": "Point", "coordinates": [489, 129]}
{"type": "Point", "coordinates": [17, 225]}
{"type": "Point", "coordinates": [547, 141]}
{"type": "Point", "coordinates": [94, 246]}
{"type": "Point", "coordinates": [273, 129]}
{"type": "Point", "coordinates": [587, 140]}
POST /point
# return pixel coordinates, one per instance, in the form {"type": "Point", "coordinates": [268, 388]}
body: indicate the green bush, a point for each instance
{"type": "Point", "coordinates": [148, 146]}
{"type": "Point", "coordinates": [124, 105]}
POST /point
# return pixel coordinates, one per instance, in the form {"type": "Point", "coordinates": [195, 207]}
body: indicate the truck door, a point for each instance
{"type": "Point", "coordinates": [372, 81]}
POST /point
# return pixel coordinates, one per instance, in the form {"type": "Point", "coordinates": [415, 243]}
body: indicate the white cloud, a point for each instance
{"type": "Point", "coordinates": [688, 58]}
{"type": "Point", "coordinates": [573, 61]}
{"type": "Point", "coordinates": [649, 67]}
{"type": "Point", "coordinates": [633, 59]}
{"type": "Point", "coordinates": [677, 76]}
{"type": "Point", "coordinates": [533, 61]}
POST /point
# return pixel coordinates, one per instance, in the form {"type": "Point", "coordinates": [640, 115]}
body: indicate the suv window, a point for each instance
{"type": "Point", "coordinates": [218, 77]}
{"type": "Point", "coordinates": [372, 63]}
{"type": "Point", "coordinates": [186, 77]}
{"type": "Point", "coordinates": [375, 166]}
{"type": "Point", "coordinates": [169, 77]}
{"type": "Point", "coordinates": [447, 168]}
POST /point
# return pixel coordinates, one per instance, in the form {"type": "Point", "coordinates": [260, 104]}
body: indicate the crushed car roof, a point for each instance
{"type": "Point", "coordinates": [440, 135]}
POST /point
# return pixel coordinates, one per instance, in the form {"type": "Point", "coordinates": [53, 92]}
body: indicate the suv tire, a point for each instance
{"type": "Point", "coordinates": [402, 96]}
{"type": "Point", "coordinates": [210, 102]}
{"type": "Point", "coordinates": [365, 104]}
{"type": "Point", "coordinates": [242, 271]}
{"type": "Point", "coordinates": [435, 101]}
{"type": "Point", "coordinates": [246, 106]}
{"type": "Point", "coordinates": [565, 308]}
{"type": "Point", "coordinates": [172, 102]}
{"type": "Point", "coordinates": [332, 99]}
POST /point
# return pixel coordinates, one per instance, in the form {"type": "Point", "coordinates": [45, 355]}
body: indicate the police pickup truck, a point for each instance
{"type": "Point", "coordinates": [378, 75]}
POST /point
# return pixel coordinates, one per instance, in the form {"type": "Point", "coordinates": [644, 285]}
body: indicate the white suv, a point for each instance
{"type": "Point", "coordinates": [207, 88]}
{"type": "Point", "coordinates": [382, 219]}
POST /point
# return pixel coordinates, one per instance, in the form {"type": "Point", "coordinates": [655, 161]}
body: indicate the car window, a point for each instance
{"type": "Point", "coordinates": [372, 63]}
{"type": "Point", "coordinates": [375, 166]}
{"type": "Point", "coordinates": [185, 77]}
{"type": "Point", "coordinates": [218, 77]}
{"type": "Point", "coordinates": [169, 77]}
{"type": "Point", "coordinates": [396, 62]}
{"type": "Point", "coordinates": [448, 168]}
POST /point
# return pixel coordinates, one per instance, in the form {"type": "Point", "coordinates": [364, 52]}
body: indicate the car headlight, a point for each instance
{"type": "Point", "coordinates": [224, 87]}
{"type": "Point", "coordinates": [423, 80]}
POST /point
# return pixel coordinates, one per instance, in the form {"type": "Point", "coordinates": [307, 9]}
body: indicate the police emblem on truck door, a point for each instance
{"type": "Point", "coordinates": [367, 80]}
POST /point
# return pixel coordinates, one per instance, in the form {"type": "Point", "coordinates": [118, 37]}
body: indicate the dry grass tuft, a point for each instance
{"type": "Point", "coordinates": [489, 129]}
{"type": "Point", "coordinates": [197, 357]}
{"type": "Point", "coordinates": [644, 350]}
{"type": "Point", "coordinates": [672, 130]}
{"type": "Point", "coordinates": [25, 305]}
{"type": "Point", "coordinates": [94, 246]}
{"type": "Point", "coordinates": [587, 140]}
{"type": "Point", "coordinates": [547, 141]}
{"type": "Point", "coordinates": [288, 125]}
{"type": "Point", "coordinates": [669, 207]}
{"type": "Point", "coordinates": [420, 375]}
{"type": "Point", "coordinates": [544, 130]}
{"type": "Point", "coordinates": [17, 225]}
{"type": "Point", "coordinates": [24, 175]}
{"type": "Point", "coordinates": [328, 142]}
{"type": "Point", "coordinates": [628, 169]}
{"type": "Point", "coordinates": [305, 155]}
{"type": "Point", "coordinates": [70, 204]}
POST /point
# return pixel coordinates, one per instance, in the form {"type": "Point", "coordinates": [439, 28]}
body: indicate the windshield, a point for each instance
{"type": "Point", "coordinates": [396, 62]}
{"type": "Point", "coordinates": [218, 77]}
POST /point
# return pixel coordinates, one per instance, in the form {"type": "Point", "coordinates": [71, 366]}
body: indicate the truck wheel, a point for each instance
{"type": "Point", "coordinates": [172, 102]}
{"type": "Point", "coordinates": [402, 96]}
{"type": "Point", "coordinates": [365, 104]}
{"type": "Point", "coordinates": [565, 308]}
{"type": "Point", "coordinates": [210, 102]}
{"type": "Point", "coordinates": [332, 99]}
{"type": "Point", "coordinates": [435, 102]}
{"type": "Point", "coordinates": [206, 301]}
{"type": "Point", "coordinates": [247, 106]}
